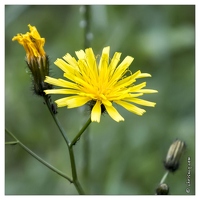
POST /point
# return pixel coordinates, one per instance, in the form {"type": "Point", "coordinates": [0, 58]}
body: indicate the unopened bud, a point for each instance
{"type": "Point", "coordinates": [174, 154]}
{"type": "Point", "coordinates": [162, 189]}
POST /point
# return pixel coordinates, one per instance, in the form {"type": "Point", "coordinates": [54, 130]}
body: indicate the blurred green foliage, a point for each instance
{"type": "Point", "coordinates": [120, 158]}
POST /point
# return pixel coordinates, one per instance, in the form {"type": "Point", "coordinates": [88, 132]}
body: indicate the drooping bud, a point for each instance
{"type": "Point", "coordinates": [36, 58]}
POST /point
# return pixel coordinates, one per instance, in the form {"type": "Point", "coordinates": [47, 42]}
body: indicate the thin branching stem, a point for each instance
{"type": "Point", "coordinates": [80, 133]}
{"type": "Point", "coordinates": [69, 145]}
{"type": "Point", "coordinates": [36, 156]}
{"type": "Point", "coordinates": [62, 131]}
{"type": "Point", "coordinates": [11, 143]}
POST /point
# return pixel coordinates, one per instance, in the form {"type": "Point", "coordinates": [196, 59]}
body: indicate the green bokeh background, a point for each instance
{"type": "Point", "coordinates": [112, 158]}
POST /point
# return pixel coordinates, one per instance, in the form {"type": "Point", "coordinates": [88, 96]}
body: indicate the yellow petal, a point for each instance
{"type": "Point", "coordinates": [104, 58]}
{"type": "Point", "coordinates": [113, 64]}
{"type": "Point", "coordinates": [77, 101]}
{"type": "Point", "coordinates": [96, 112]}
{"type": "Point", "coordinates": [63, 101]}
{"type": "Point", "coordinates": [148, 91]}
{"type": "Point", "coordinates": [61, 91]}
{"type": "Point", "coordinates": [79, 81]}
{"type": "Point", "coordinates": [103, 65]}
{"type": "Point", "coordinates": [106, 102]}
{"type": "Point", "coordinates": [67, 68]}
{"type": "Point", "coordinates": [80, 54]}
{"type": "Point", "coordinates": [121, 69]}
{"type": "Point", "coordinates": [72, 101]}
{"type": "Point", "coordinates": [92, 65]}
{"type": "Point", "coordinates": [34, 32]}
{"type": "Point", "coordinates": [141, 102]}
{"type": "Point", "coordinates": [91, 60]}
{"type": "Point", "coordinates": [127, 81]}
{"type": "Point", "coordinates": [130, 107]}
{"type": "Point", "coordinates": [144, 75]}
{"type": "Point", "coordinates": [71, 60]}
{"type": "Point", "coordinates": [114, 113]}
{"type": "Point", "coordinates": [137, 88]}
{"type": "Point", "coordinates": [60, 82]}
{"type": "Point", "coordinates": [124, 64]}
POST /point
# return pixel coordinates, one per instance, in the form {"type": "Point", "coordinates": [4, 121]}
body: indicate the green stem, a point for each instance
{"type": "Point", "coordinates": [71, 153]}
{"type": "Point", "coordinates": [164, 177]}
{"type": "Point", "coordinates": [38, 158]}
{"type": "Point", "coordinates": [86, 158]}
{"type": "Point", "coordinates": [62, 131]}
{"type": "Point", "coordinates": [12, 142]}
{"type": "Point", "coordinates": [80, 133]}
{"type": "Point", "coordinates": [74, 173]}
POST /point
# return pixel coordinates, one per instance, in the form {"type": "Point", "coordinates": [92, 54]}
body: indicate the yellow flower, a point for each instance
{"type": "Point", "coordinates": [32, 43]}
{"type": "Point", "coordinates": [101, 84]}
{"type": "Point", "coordinates": [36, 58]}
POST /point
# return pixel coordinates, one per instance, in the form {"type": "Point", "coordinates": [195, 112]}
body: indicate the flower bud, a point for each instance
{"type": "Point", "coordinates": [175, 151]}
{"type": "Point", "coordinates": [162, 189]}
{"type": "Point", "coordinates": [36, 58]}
